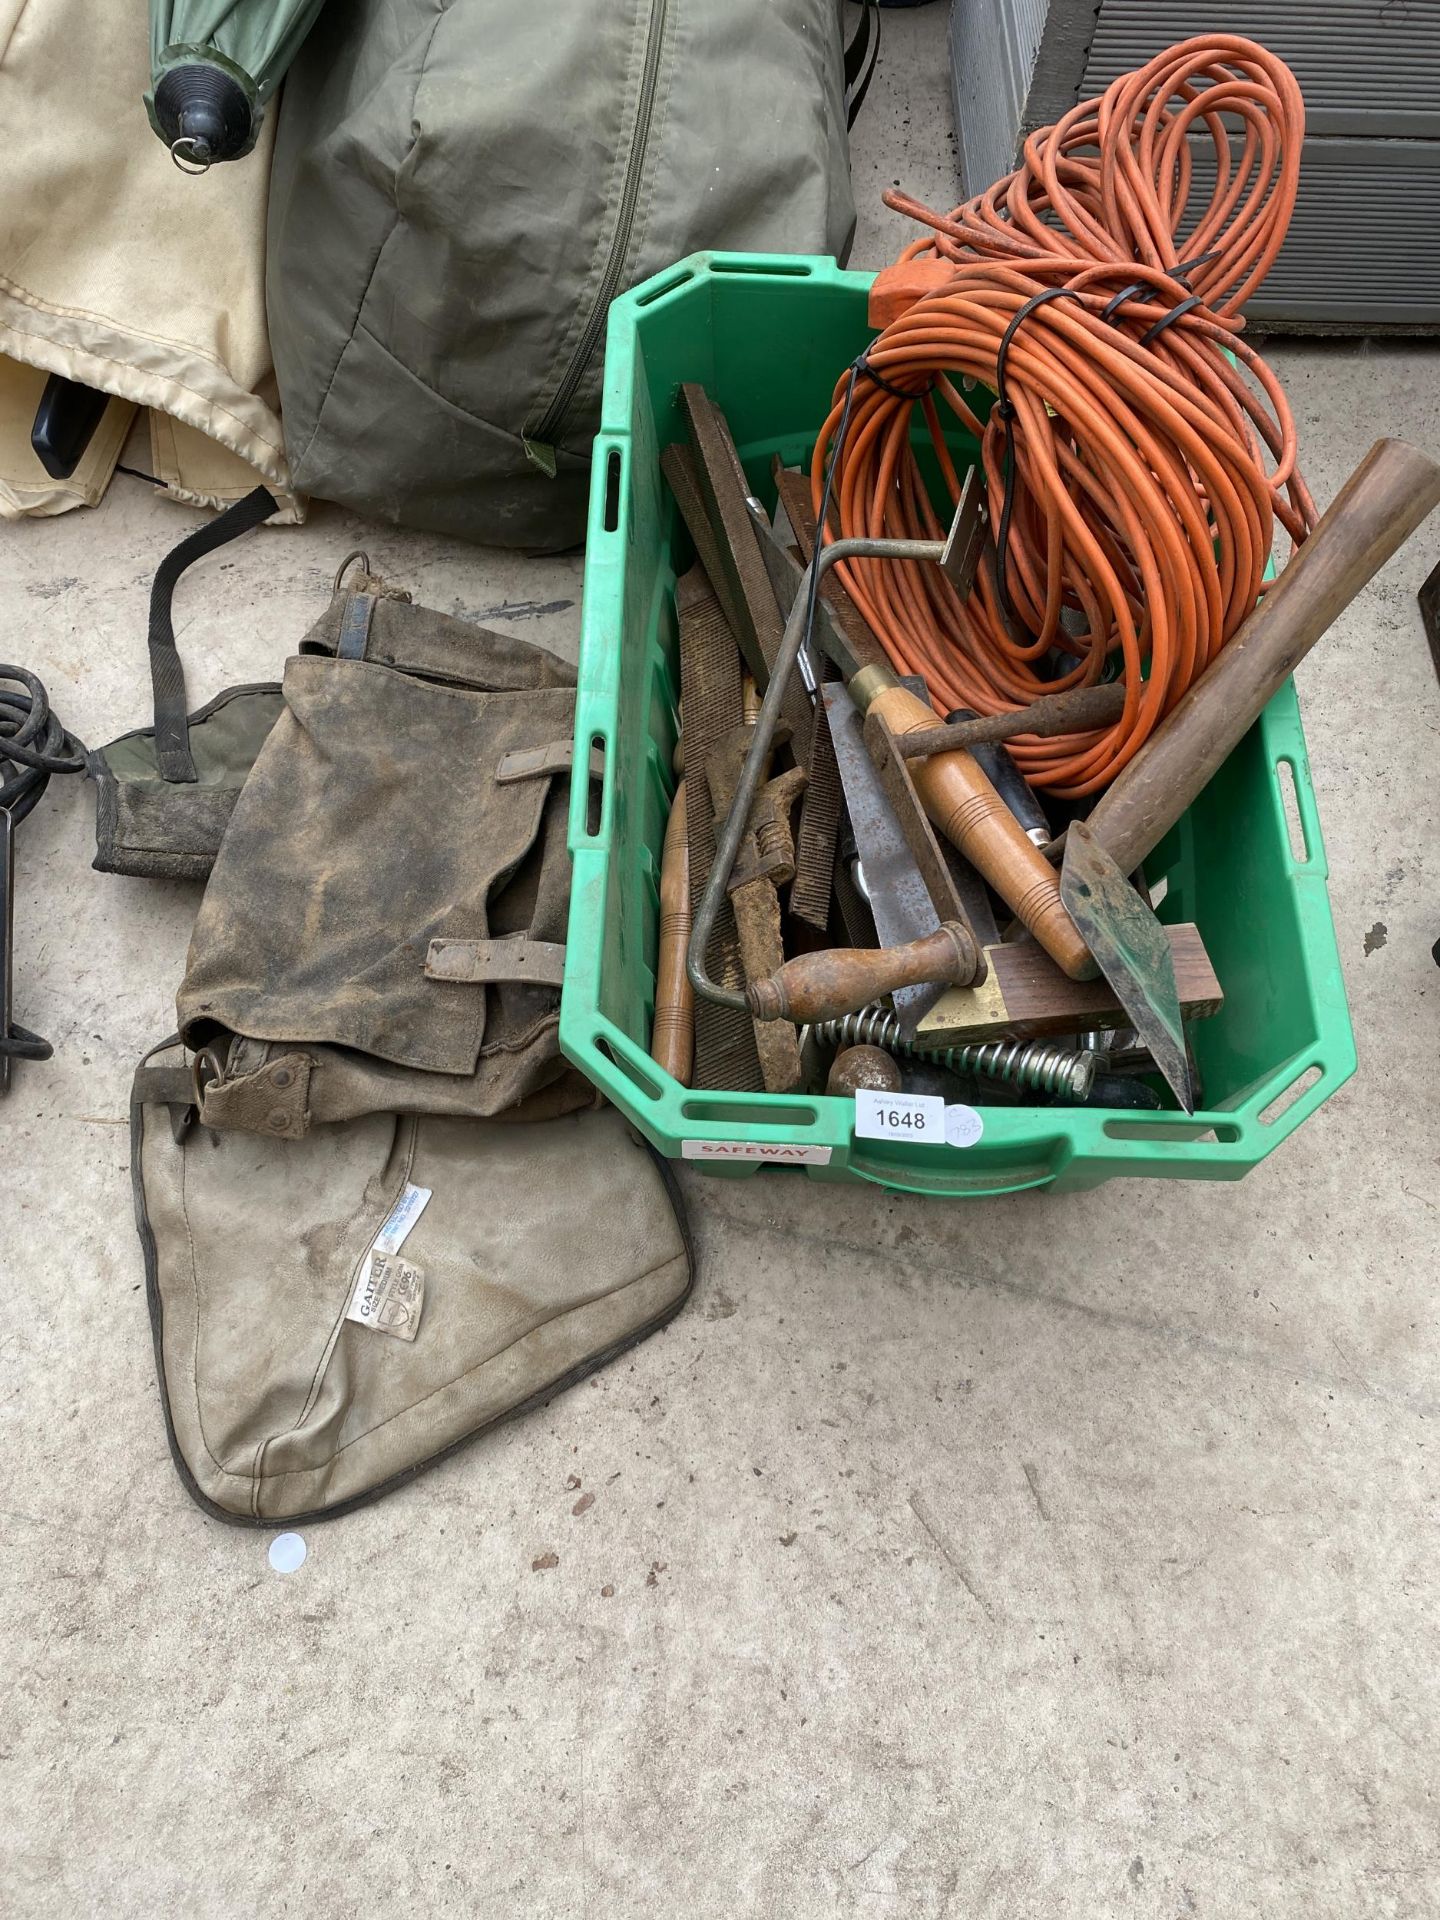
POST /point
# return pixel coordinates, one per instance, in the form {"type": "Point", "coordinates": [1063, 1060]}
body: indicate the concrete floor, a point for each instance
{"type": "Point", "coordinates": [1040, 1557]}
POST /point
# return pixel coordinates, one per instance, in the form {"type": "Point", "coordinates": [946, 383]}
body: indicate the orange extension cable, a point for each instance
{"type": "Point", "coordinates": [1131, 449]}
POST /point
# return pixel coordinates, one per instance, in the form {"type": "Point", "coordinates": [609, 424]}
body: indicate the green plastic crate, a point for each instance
{"type": "Point", "coordinates": [768, 336]}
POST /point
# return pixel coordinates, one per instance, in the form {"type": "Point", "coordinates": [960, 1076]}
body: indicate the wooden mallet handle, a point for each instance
{"type": "Point", "coordinates": [1375, 512]}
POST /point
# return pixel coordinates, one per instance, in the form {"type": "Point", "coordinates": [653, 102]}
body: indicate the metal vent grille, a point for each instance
{"type": "Point", "coordinates": [993, 45]}
{"type": "Point", "coordinates": [1363, 251]}
{"type": "Point", "coordinates": [1366, 67]}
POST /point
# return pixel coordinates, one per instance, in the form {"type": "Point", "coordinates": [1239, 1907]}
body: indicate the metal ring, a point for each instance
{"type": "Point", "coordinates": [356, 553]}
{"type": "Point", "coordinates": [197, 166]}
{"type": "Point", "coordinates": [206, 1069]}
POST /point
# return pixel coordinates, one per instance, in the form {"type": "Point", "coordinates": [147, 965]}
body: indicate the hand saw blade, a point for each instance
{"type": "Point", "coordinates": [1131, 949]}
{"type": "Point", "coordinates": [898, 897]}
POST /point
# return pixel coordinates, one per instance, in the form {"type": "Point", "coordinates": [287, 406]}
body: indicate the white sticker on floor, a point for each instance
{"type": "Point", "coordinates": [287, 1552]}
{"type": "Point", "coordinates": [780, 1152]}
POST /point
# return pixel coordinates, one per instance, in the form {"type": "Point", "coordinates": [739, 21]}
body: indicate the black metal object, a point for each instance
{"type": "Point", "coordinates": [1429, 598]}
{"type": "Point", "coordinates": [204, 114]}
{"type": "Point", "coordinates": [65, 423]}
{"type": "Point", "coordinates": [33, 745]}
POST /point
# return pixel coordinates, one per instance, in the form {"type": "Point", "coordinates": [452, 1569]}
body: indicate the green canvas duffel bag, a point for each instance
{"type": "Point", "coordinates": [458, 194]}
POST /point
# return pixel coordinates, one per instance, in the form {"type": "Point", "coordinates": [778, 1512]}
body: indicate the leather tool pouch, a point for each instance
{"type": "Point", "coordinates": [351, 1266]}
{"type": "Point", "coordinates": [517, 1274]}
{"type": "Point", "coordinates": [384, 924]}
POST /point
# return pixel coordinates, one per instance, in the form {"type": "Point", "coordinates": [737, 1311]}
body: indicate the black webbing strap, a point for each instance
{"type": "Point", "coordinates": [167, 676]}
{"type": "Point", "coordinates": [858, 74]}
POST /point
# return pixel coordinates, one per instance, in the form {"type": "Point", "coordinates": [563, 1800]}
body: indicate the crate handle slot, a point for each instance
{"type": "Point", "coordinates": [771, 269]}
{"type": "Point", "coordinates": [595, 787]}
{"type": "Point", "coordinates": [619, 1054]}
{"type": "Point", "coordinates": [1302, 1083]}
{"type": "Point", "coordinates": [657, 289]}
{"type": "Point", "coordinates": [614, 475]}
{"type": "Point", "coordinates": [752, 1113]}
{"type": "Point", "coordinates": [1295, 792]}
{"type": "Point", "coordinates": [589, 799]}
{"type": "Point", "coordinates": [1165, 1128]}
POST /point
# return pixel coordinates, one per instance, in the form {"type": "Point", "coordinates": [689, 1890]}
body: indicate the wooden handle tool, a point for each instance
{"type": "Point", "coordinates": [972, 816]}
{"type": "Point", "coordinates": [672, 1038]}
{"type": "Point", "coordinates": [1382, 503]}
{"type": "Point", "coordinates": [841, 980]}
{"type": "Point", "coordinates": [1081, 710]}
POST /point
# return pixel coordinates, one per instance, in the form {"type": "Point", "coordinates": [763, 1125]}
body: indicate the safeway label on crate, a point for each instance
{"type": "Point", "coordinates": [916, 1118]}
{"type": "Point", "coordinates": [779, 1152]}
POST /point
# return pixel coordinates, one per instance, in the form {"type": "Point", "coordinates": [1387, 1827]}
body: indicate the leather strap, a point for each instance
{"type": "Point", "coordinates": [163, 1086]}
{"type": "Point", "coordinates": [167, 676]}
{"type": "Point", "coordinates": [540, 963]}
{"type": "Point", "coordinates": [355, 621]}
{"type": "Point", "coordinates": [536, 763]}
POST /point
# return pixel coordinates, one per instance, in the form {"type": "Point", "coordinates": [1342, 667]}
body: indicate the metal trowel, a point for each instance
{"type": "Point", "coordinates": [1132, 950]}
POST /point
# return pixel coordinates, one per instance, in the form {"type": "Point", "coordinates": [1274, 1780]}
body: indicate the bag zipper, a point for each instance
{"type": "Point", "coordinates": [540, 445]}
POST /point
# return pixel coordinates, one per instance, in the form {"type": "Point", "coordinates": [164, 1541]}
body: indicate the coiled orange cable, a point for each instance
{"type": "Point", "coordinates": [1131, 447]}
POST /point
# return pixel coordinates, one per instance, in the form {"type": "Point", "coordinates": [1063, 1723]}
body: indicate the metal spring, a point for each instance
{"type": "Point", "coordinates": [1033, 1064]}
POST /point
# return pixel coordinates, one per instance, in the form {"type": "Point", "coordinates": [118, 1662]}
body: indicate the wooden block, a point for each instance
{"type": "Point", "coordinates": [1026, 995]}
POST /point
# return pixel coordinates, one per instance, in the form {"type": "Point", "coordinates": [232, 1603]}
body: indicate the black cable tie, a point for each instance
{"type": "Point", "coordinates": [1005, 408]}
{"type": "Point", "coordinates": [1136, 287]}
{"type": "Point", "coordinates": [1169, 319]}
{"type": "Point", "coordinates": [861, 364]}
{"type": "Point", "coordinates": [1003, 402]}
{"type": "Point", "coordinates": [1110, 309]}
{"type": "Point", "coordinates": [1187, 267]}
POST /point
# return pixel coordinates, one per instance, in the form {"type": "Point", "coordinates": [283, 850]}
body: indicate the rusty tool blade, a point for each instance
{"type": "Point", "coordinates": [966, 536]}
{"type": "Point", "coordinates": [899, 899]}
{"type": "Point", "coordinates": [1132, 950]}
{"type": "Point", "coordinates": [741, 586]}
